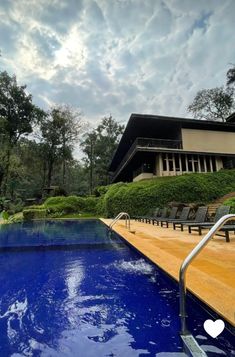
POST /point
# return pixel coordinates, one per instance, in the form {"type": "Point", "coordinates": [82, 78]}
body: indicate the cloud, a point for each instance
{"type": "Point", "coordinates": [118, 56]}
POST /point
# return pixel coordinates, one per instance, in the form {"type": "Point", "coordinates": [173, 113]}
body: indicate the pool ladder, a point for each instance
{"type": "Point", "coordinates": [119, 216]}
{"type": "Point", "coordinates": [190, 343]}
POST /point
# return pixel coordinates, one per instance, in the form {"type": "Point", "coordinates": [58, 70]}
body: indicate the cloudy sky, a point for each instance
{"type": "Point", "coordinates": [117, 56]}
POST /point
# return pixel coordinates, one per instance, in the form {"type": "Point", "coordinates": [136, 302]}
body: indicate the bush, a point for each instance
{"type": "Point", "coordinates": [30, 214]}
{"type": "Point", "coordinates": [57, 206]}
{"type": "Point", "coordinates": [140, 198]}
{"type": "Point", "coordinates": [230, 202]}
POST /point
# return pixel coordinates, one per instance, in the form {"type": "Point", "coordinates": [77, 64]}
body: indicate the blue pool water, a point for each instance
{"type": "Point", "coordinates": [69, 289]}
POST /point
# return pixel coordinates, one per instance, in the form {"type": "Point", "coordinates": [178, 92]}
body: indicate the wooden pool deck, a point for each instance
{"type": "Point", "coordinates": [211, 277]}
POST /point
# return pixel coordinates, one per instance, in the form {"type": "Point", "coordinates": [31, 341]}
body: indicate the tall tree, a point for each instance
{"type": "Point", "coordinates": [212, 104]}
{"type": "Point", "coordinates": [99, 147]}
{"type": "Point", "coordinates": [59, 132]}
{"type": "Point", "coordinates": [17, 116]}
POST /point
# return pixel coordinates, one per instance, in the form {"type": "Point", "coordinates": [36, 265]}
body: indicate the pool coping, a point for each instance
{"type": "Point", "coordinates": [145, 249]}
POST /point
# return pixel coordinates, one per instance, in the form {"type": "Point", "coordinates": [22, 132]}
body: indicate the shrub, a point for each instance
{"type": "Point", "coordinates": [140, 198]}
{"type": "Point", "coordinates": [30, 214]}
{"type": "Point", "coordinates": [230, 202]}
{"type": "Point", "coordinates": [57, 206]}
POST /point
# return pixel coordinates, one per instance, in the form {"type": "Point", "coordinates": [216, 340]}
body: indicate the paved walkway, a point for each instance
{"type": "Point", "coordinates": [211, 277]}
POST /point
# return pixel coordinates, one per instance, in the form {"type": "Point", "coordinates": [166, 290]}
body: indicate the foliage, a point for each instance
{"type": "Point", "coordinates": [34, 213]}
{"type": "Point", "coordinates": [212, 104]}
{"type": "Point", "coordinates": [99, 147]}
{"type": "Point", "coordinates": [59, 132]}
{"type": "Point", "coordinates": [70, 204]}
{"type": "Point", "coordinates": [5, 215]}
{"type": "Point", "coordinates": [17, 116]}
{"type": "Point", "coordinates": [230, 202]}
{"type": "Point", "coordinates": [231, 76]}
{"type": "Point", "coordinates": [139, 198]}
{"type": "Point", "coordinates": [16, 218]}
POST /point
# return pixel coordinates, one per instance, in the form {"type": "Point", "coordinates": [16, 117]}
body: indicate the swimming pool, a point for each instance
{"type": "Point", "coordinates": [68, 288]}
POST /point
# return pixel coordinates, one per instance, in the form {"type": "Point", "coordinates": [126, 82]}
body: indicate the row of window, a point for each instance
{"type": "Point", "coordinates": [188, 163]}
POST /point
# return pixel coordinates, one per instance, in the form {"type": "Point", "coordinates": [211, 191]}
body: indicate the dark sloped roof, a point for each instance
{"type": "Point", "coordinates": [149, 126]}
{"type": "Point", "coordinates": [231, 118]}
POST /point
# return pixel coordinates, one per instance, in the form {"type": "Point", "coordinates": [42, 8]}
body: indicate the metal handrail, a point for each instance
{"type": "Point", "coordinates": [188, 260]}
{"type": "Point", "coordinates": [120, 215]}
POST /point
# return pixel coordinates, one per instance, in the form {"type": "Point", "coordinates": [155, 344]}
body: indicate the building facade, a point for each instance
{"type": "Point", "coordinates": [154, 146]}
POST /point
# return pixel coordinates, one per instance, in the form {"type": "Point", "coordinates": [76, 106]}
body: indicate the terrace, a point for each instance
{"type": "Point", "coordinates": [147, 145]}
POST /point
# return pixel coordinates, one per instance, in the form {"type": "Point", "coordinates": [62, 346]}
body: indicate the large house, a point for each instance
{"type": "Point", "coordinates": [154, 145]}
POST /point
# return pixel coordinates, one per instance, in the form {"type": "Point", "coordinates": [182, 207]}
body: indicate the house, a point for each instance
{"type": "Point", "coordinates": [155, 145]}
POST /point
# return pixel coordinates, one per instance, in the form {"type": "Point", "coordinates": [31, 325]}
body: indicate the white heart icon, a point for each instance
{"type": "Point", "coordinates": [214, 328]}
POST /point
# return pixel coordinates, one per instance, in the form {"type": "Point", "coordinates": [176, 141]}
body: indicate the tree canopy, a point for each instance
{"type": "Point", "coordinates": [98, 147]}
{"type": "Point", "coordinates": [212, 104]}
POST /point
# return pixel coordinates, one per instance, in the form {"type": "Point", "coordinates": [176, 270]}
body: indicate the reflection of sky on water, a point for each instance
{"type": "Point", "coordinates": [104, 301]}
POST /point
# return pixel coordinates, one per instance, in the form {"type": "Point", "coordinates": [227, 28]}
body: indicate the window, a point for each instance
{"type": "Point", "coordinates": [190, 163]}
{"type": "Point", "coordinates": [213, 163]}
{"type": "Point", "coordinates": [164, 163]}
{"type": "Point", "coordinates": [171, 162]}
{"type": "Point", "coordinates": [195, 160]}
{"type": "Point", "coordinates": [177, 162]}
{"type": "Point", "coordinates": [183, 162]}
{"type": "Point", "coordinates": [202, 163]}
{"type": "Point", "coordinates": [208, 165]}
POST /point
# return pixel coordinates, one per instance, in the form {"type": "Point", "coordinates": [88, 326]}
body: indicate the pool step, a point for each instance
{"type": "Point", "coordinates": [192, 347]}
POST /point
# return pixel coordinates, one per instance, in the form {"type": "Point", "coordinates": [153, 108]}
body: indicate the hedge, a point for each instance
{"type": "Point", "coordinates": [230, 202]}
{"type": "Point", "coordinates": [33, 213]}
{"type": "Point", "coordinates": [60, 205]}
{"type": "Point", "coordinates": [140, 198]}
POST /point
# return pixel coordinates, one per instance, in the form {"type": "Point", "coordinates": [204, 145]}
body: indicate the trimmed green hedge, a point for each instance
{"type": "Point", "coordinates": [33, 213]}
{"type": "Point", "coordinates": [230, 202]}
{"type": "Point", "coordinates": [60, 205]}
{"type": "Point", "coordinates": [139, 198]}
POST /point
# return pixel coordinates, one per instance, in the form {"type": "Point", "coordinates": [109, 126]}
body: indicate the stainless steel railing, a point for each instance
{"type": "Point", "coordinates": [119, 216]}
{"type": "Point", "coordinates": [188, 260]}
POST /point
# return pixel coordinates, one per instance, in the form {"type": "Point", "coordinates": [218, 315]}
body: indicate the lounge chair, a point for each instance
{"type": "Point", "coordinates": [163, 216]}
{"type": "Point", "coordinates": [183, 217]}
{"type": "Point", "coordinates": [198, 227]}
{"type": "Point", "coordinates": [199, 217]}
{"type": "Point", "coordinates": [154, 214]}
{"type": "Point", "coordinates": [172, 215]}
{"type": "Point", "coordinates": [227, 228]}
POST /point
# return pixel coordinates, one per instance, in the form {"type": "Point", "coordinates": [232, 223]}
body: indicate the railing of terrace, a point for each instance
{"type": "Point", "coordinates": [148, 143]}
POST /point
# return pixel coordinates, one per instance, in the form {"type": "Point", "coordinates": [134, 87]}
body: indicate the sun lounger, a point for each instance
{"type": "Point", "coordinates": [183, 217]}
{"type": "Point", "coordinates": [227, 228]}
{"type": "Point", "coordinates": [198, 227]}
{"type": "Point", "coordinates": [171, 216]}
{"type": "Point", "coordinates": [156, 214]}
{"type": "Point", "coordinates": [163, 216]}
{"type": "Point", "coordinates": [200, 216]}
{"type": "Point", "coordinates": [151, 215]}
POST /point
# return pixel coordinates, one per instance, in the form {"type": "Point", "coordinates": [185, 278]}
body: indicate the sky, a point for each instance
{"type": "Point", "coordinates": [117, 56]}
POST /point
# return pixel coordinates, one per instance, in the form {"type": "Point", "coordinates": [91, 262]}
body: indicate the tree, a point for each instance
{"type": "Point", "coordinates": [231, 76]}
{"type": "Point", "coordinates": [99, 147]}
{"type": "Point", "coordinates": [59, 131]}
{"type": "Point", "coordinates": [212, 104]}
{"type": "Point", "coordinates": [17, 115]}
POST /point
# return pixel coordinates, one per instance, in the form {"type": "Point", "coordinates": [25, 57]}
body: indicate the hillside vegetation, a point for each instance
{"type": "Point", "coordinates": [139, 198]}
